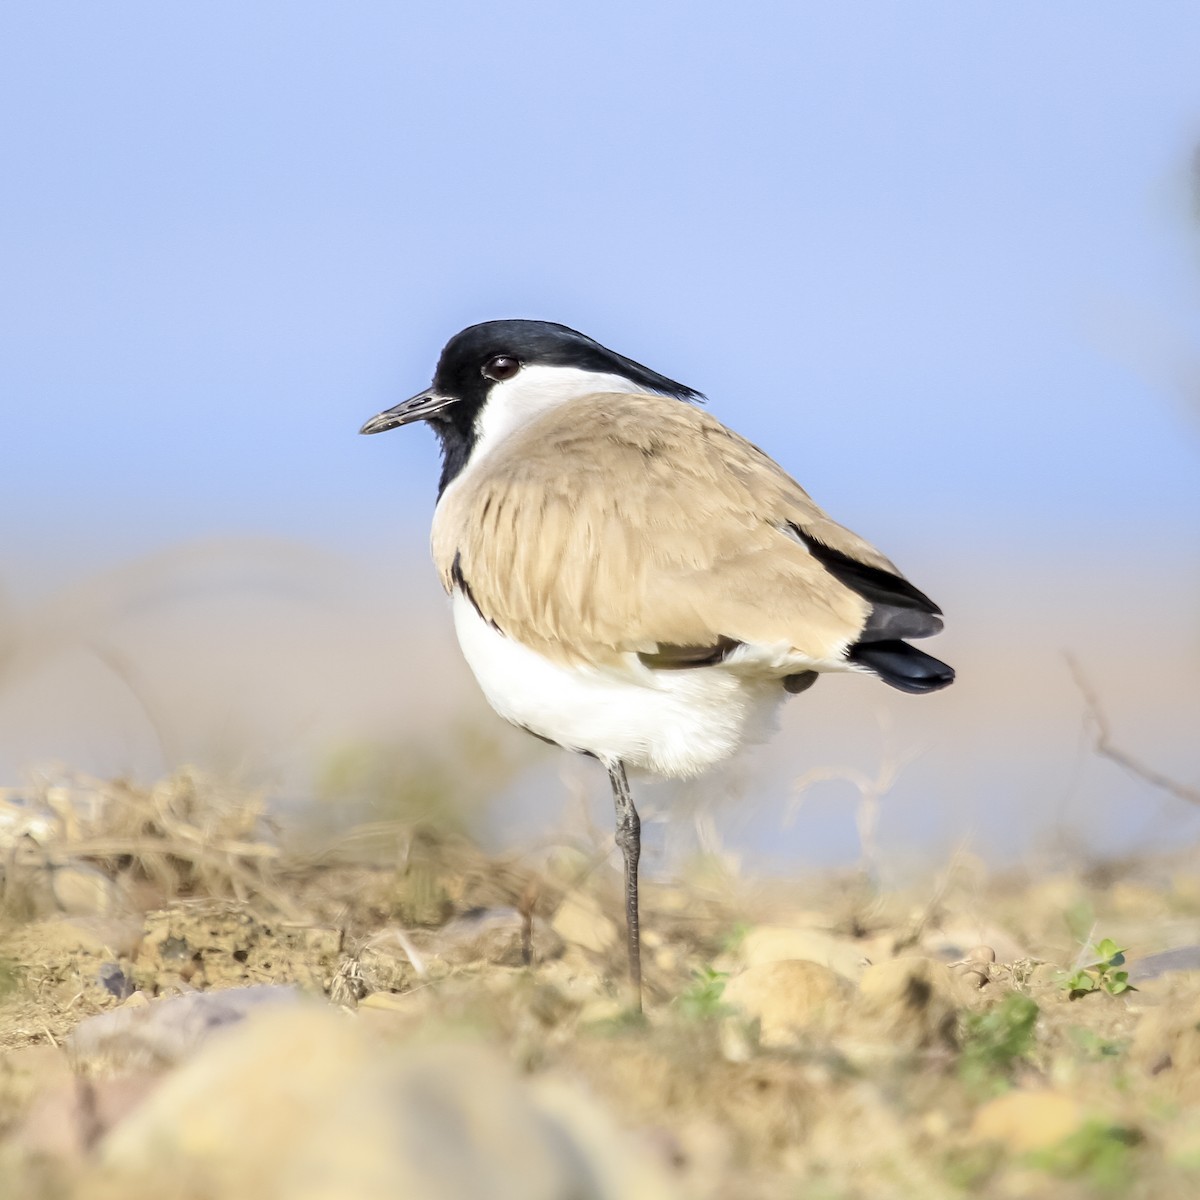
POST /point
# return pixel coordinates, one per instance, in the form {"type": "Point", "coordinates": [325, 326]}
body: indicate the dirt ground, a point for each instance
{"type": "Point", "coordinates": [981, 1034]}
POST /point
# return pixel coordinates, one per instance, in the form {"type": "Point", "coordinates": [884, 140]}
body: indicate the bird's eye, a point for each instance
{"type": "Point", "coordinates": [502, 367]}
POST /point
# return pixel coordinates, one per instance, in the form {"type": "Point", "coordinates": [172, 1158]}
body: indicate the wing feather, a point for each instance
{"type": "Point", "coordinates": [624, 523]}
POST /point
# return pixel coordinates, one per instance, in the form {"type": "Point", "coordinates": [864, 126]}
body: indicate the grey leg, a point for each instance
{"type": "Point", "coordinates": [629, 838]}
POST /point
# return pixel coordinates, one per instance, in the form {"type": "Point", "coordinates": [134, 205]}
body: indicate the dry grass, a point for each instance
{"type": "Point", "coordinates": [217, 897]}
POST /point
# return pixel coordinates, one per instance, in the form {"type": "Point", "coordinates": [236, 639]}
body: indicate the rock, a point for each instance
{"type": "Point", "coordinates": [81, 890]}
{"type": "Point", "coordinates": [305, 1104]}
{"type": "Point", "coordinates": [601, 1010]}
{"type": "Point", "coordinates": [580, 921]}
{"type": "Point", "coordinates": [973, 972]}
{"type": "Point", "coordinates": [1025, 1121]}
{"type": "Point", "coordinates": [65, 1121]}
{"type": "Point", "coordinates": [53, 1112]}
{"type": "Point", "coordinates": [163, 1032]}
{"type": "Point", "coordinates": [222, 944]}
{"type": "Point", "coordinates": [1183, 958]}
{"type": "Point", "coordinates": [912, 1003]}
{"type": "Point", "coordinates": [788, 999]}
{"type": "Point", "coordinates": [781, 943]}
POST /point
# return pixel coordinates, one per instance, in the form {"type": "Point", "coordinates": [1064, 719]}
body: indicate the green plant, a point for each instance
{"type": "Point", "coordinates": [1093, 1046]}
{"type": "Point", "coordinates": [735, 937]}
{"type": "Point", "coordinates": [993, 1041]}
{"type": "Point", "coordinates": [701, 1000]}
{"type": "Point", "coordinates": [1103, 974]}
{"type": "Point", "coordinates": [1099, 1152]}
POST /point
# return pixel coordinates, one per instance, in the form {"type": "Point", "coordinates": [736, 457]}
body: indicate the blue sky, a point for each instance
{"type": "Point", "coordinates": [941, 259]}
{"type": "Point", "coordinates": [901, 246]}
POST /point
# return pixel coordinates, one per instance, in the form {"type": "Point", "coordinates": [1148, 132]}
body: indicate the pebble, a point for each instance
{"type": "Point", "coordinates": [1027, 1120]}
{"type": "Point", "coordinates": [911, 1002]}
{"type": "Point", "coordinates": [80, 890]}
{"type": "Point", "coordinates": [580, 921]}
{"type": "Point", "coordinates": [163, 1032]}
{"type": "Point", "coordinates": [305, 1104]}
{"type": "Point", "coordinates": [1151, 966]}
{"type": "Point", "coordinates": [66, 1120]}
{"type": "Point", "coordinates": [973, 969]}
{"type": "Point", "coordinates": [781, 943]}
{"type": "Point", "coordinates": [788, 999]}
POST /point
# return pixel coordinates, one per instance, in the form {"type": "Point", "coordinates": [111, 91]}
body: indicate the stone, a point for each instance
{"type": "Point", "coordinates": [81, 890]}
{"type": "Point", "coordinates": [973, 972]}
{"type": "Point", "coordinates": [782, 943]}
{"type": "Point", "coordinates": [65, 1121]}
{"type": "Point", "coordinates": [580, 921]}
{"type": "Point", "coordinates": [166, 1031]}
{"type": "Point", "coordinates": [1152, 966]}
{"type": "Point", "coordinates": [1027, 1120]}
{"type": "Point", "coordinates": [788, 999]}
{"type": "Point", "coordinates": [912, 1003]}
{"type": "Point", "coordinates": [305, 1104]}
{"type": "Point", "coordinates": [209, 944]}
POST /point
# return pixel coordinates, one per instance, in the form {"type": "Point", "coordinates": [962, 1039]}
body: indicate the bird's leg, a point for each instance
{"type": "Point", "coordinates": [629, 838]}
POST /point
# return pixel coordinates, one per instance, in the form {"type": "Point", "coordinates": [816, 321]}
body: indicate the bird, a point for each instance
{"type": "Point", "coordinates": [629, 578]}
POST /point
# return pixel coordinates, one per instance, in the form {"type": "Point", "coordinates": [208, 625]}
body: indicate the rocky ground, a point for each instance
{"type": "Point", "coordinates": [191, 1006]}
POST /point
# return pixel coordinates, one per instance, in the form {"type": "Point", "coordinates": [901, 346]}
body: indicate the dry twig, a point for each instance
{"type": "Point", "coordinates": [1105, 746]}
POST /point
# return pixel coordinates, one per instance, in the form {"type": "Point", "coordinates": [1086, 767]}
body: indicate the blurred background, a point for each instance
{"type": "Point", "coordinates": [942, 261]}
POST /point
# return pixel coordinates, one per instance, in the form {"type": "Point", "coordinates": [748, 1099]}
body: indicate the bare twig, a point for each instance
{"type": "Point", "coordinates": [1105, 746]}
{"type": "Point", "coordinates": [871, 792]}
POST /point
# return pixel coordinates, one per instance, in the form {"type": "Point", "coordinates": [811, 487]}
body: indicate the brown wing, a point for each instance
{"type": "Point", "coordinates": [621, 523]}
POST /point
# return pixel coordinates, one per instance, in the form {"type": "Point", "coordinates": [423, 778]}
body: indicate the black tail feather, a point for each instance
{"type": "Point", "coordinates": [898, 610]}
{"type": "Point", "coordinates": [902, 665]}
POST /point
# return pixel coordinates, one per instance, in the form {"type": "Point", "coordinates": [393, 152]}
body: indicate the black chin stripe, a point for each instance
{"type": "Point", "coordinates": [457, 443]}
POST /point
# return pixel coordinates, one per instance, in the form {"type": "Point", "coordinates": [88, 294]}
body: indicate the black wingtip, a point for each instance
{"type": "Point", "coordinates": [903, 666]}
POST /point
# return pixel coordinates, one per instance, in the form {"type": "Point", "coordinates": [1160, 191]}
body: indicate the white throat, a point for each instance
{"type": "Point", "coordinates": [532, 391]}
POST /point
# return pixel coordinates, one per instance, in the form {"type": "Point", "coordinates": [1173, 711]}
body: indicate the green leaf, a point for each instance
{"type": "Point", "coordinates": [1118, 982]}
{"type": "Point", "coordinates": [1081, 982]}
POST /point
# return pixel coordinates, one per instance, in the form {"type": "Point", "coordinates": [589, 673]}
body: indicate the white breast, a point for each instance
{"type": "Point", "coordinates": [672, 723]}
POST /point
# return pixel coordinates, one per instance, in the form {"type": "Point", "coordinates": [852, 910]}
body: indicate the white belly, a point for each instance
{"type": "Point", "coordinates": [673, 723]}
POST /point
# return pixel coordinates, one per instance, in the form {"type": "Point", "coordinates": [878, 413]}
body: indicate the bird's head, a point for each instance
{"type": "Point", "coordinates": [494, 377]}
